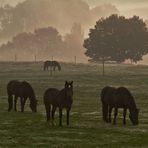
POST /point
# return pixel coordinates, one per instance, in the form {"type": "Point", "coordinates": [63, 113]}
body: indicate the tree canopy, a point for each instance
{"type": "Point", "coordinates": [117, 38]}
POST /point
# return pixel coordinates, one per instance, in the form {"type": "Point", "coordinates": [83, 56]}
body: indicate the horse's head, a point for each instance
{"type": "Point", "coordinates": [33, 105]}
{"type": "Point", "coordinates": [69, 88]}
{"type": "Point", "coordinates": [134, 116]}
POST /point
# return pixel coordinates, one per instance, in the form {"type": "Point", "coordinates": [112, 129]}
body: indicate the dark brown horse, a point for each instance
{"type": "Point", "coordinates": [52, 65]}
{"type": "Point", "coordinates": [22, 90]}
{"type": "Point", "coordinates": [118, 98]}
{"type": "Point", "coordinates": [54, 98]}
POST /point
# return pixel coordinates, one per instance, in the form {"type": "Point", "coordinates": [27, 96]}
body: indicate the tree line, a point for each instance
{"type": "Point", "coordinates": [47, 42]}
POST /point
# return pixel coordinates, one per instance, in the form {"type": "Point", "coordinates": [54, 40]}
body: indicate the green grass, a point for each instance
{"type": "Point", "coordinates": [86, 126]}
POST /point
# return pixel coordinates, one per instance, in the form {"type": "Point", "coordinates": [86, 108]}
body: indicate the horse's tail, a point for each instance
{"type": "Point", "coordinates": [104, 106]}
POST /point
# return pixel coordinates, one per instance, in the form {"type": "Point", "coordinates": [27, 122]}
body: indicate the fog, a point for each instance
{"type": "Point", "coordinates": [62, 14]}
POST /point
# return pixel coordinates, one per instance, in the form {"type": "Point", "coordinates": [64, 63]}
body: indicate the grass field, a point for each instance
{"type": "Point", "coordinates": [86, 126]}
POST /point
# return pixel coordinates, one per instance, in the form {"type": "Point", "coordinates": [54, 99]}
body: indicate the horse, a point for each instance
{"type": "Point", "coordinates": [22, 90]}
{"type": "Point", "coordinates": [52, 64]}
{"type": "Point", "coordinates": [118, 98]}
{"type": "Point", "coordinates": [59, 99]}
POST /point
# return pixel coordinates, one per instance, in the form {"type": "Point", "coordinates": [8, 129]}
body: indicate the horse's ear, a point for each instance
{"type": "Point", "coordinates": [66, 82]}
{"type": "Point", "coordinates": [71, 82]}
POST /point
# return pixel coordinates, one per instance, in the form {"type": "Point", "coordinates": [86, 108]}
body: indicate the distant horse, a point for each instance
{"type": "Point", "coordinates": [118, 98]}
{"type": "Point", "coordinates": [22, 90]}
{"type": "Point", "coordinates": [52, 64]}
{"type": "Point", "coordinates": [58, 99]}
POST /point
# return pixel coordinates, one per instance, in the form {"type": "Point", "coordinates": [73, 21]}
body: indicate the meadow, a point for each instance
{"type": "Point", "coordinates": [30, 130]}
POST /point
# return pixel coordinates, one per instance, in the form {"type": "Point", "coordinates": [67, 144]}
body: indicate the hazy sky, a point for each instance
{"type": "Point", "coordinates": [126, 7]}
{"type": "Point", "coordinates": [122, 4]}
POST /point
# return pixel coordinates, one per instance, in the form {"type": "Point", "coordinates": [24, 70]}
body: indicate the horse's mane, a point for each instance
{"type": "Point", "coordinates": [129, 95]}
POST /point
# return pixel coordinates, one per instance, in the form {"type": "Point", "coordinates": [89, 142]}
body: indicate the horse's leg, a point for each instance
{"type": "Point", "coordinates": [68, 111]}
{"type": "Point", "coordinates": [110, 112]}
{"type": "Point", "coordinates": [53, 112]}
{"type": "Point", "coordinates": [60, 116]}
{"type": "Point", "coordinates": [47, 107]}
{"type": "Point", "coordinates": [124, 116]}
{"type": "Point", "coordinates": [115, 115]}
{"type": "Point", "coordinates": [15, 102]}
{"type": "Point", "coordinates": [10, 102]}
{"type": "Point", "coordinates": [22, 100]}
{"type": "Point", "coordinates": [23, 104]}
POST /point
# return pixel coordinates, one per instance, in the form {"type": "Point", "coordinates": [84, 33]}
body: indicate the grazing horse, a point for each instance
{"type": "Point", "coordinates": [22, 90]}
{"type": "Point", "coordinates": [52, 64]}
{"type": "Point", "coordinates": [118, 98]}
{"type": "Point", "coordinates": [58, 99]}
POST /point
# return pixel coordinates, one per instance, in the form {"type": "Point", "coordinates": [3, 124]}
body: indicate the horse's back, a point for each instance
{"type": "Point", "coordinates": [117, 97]}
{"type": "Point", "coordinates": [47, 62]}
{"type": "Point", "coordinates": [20, 89]}
{"type": "Point", "coordinates": [50, 96]}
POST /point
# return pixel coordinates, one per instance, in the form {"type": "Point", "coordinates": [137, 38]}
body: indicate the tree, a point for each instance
{"type": "Point", "coordinates": [117, 39]}
{"type": "Point", "coordinates": [49, 41]}
{"type": "Point", "coordinates": [42, 42]}
{"type": "Point", "coordinates": [74, 41]}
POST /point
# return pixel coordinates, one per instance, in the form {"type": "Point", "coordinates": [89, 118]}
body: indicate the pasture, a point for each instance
{"type": "Point", "coordinates": [86, 126]}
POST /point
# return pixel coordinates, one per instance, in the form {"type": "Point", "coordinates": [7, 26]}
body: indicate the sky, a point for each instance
{"type": "Point", "coordinates": [121, 4]}
{"type": "Point", "coordinates": [126, 7]}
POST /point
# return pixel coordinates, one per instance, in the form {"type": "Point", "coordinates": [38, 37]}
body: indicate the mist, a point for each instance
{"type": "Point", "coordinates": [61, 14]}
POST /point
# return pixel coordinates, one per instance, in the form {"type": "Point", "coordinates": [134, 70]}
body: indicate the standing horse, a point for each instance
{"type": "Point", "coordinates": [22, 90]}
{"type": "Point", "coordinates": [58, 99]}
{"type": "Point", "coordinates": [52, 65]}
{"type": "Point", "coordinates": [118, 98]}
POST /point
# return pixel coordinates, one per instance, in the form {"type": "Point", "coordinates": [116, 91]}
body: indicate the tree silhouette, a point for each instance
{"type": "Point", "coordinates": [117, 39]}
{"type": "Point", "coordinates": [43, 41]}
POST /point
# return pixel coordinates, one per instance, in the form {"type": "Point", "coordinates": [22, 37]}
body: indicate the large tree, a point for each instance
{"type": "Point", "coordinates": [117, 38]}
